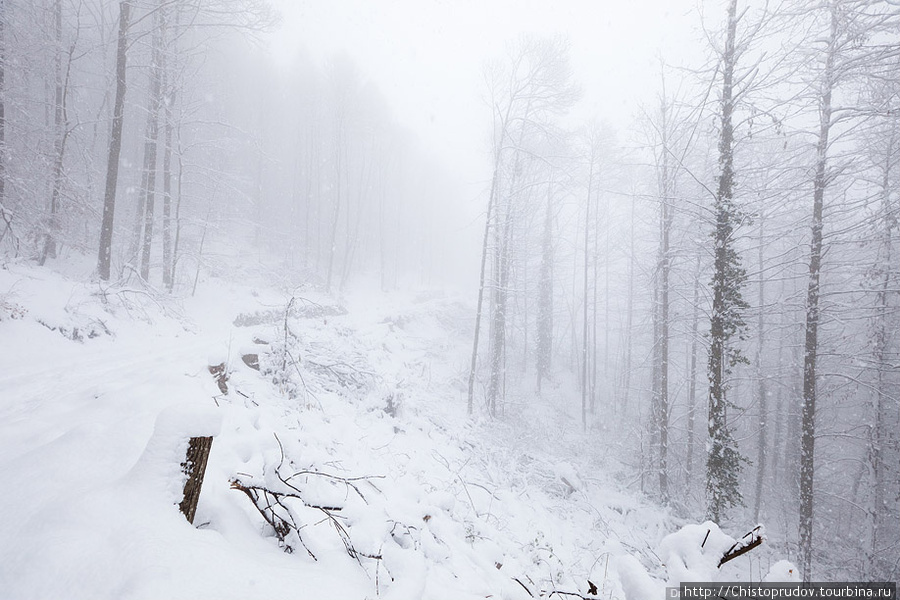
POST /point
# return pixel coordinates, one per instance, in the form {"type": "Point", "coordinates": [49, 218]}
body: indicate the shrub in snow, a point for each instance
{"type": "Point", "coordinates": [693, 552]}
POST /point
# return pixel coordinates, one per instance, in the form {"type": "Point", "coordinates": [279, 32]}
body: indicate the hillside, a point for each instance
{"type": "Point", "coordinates": [356, 417]}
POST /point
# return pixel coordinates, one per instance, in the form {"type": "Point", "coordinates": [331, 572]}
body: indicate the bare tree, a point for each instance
{"type": "Point", "coordinates": [526, 92]}
{"type": "Point", "coordinates": [115, 145]}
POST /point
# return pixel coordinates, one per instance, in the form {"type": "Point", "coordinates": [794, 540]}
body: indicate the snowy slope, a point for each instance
{"type": "Point", "coordinates": [358, 408]}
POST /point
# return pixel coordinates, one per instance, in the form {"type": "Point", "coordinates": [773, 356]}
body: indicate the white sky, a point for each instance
{"type": "Point", "coordinates": [427, 55]}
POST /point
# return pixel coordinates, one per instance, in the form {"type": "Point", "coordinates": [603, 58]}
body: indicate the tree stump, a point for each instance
{"type": "Point", "coordinates": [194, 467]}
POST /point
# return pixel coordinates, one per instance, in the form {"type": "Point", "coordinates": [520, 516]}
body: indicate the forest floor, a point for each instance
{"type": "Point", "coordinates": [357, 417]}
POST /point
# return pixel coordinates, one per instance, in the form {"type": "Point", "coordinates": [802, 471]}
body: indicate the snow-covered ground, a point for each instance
{"type": "Point", "coordinates": [357, 414]}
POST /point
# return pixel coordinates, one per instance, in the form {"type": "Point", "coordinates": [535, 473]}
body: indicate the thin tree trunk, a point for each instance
{"type": "Point", "coordinates": [169, 101]}
{"type": "Point", "coordinates": [336, 213]}
{"type": "Point", "coordinates": [664, 267]}
{"type": "Point", "coordinates": [595, 310]}
{"type": "Point", "coordinates": [497, 378]}
{"type": "Point", "coordinates": [544, 357]}
{"type": "Point", "coordinates": [3, 112]}
{"type": "Point", "coordinates": [761, 394]}
{"type": "Point", "coordinates": [629, 317]}
{"type": "Point", "coordinates": [179, 180]}
{"type": "Point", "coordinates": [692, 376]}
{"type": "Point", "coordinates": [498, 342]}
{"type": "Point", "coordinates": [382, 238]}
{"type": "Point", "coordinates": [655, 393]}
{"type": "Point", "coordinates": [61, 131]}
{"type": "Point", "coordinates": [779, 418]}
{"type": "Point", "coordinates": [587, 262]}
{"type": "Point", "coordinates": [524, 286]}
{"type": "Point", "coordinates": [151, 143]}
{"type": "Point", "coordinates": [115, 146]}
{"type": "Point", "coordinates": [484, 252]}
{"type": "Point", "coordinates": [878, 432]}
{"type": "Point", "coordinates": [353, 236]}
{"type": "Point", "coordinates": [307, 206]}
{"type": "Point", "coordinates": [811, 344]}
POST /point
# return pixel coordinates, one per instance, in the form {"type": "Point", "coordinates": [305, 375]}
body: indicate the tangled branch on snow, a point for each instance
{"type": "Point", "coordinates": [274, 507]}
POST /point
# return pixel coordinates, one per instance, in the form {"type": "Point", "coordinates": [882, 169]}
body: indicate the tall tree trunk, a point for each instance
{"type": "Point", "coordinates": [353, 233]}
{"type": "Point", "coordinates": [811, 344]}
{"type": "Point", "coordinates": [503, 248]}
{"type": "Point", "coordinates": [692, 377]}
{"type": "Point", "coordinates": [312, 156]}
{"type": "Point", "coordinates": [152, 141]}
{"type": "Point", "coordinates": [336, 212]}
{"type": "Point", "coordinates": [382, 238]}
{"type": "Point", "coordinates": [3, 114]}
{"type": "Point", "coordinates": [723, 460]}
{"type": "Point", "coordinates": [655, 388]}
{"type": "Point", "coordinates": [780, 416]}
{"type": "Point", "coordinates": [179, 180]}
{"type": "Point", "coordinates": [884, 331]}
{"type": "Point", "coordinates": [629, 317]}
{"type": "Point", "coordinates": [60, 128]}
{"type": "Point", "coordinates": [6, 216]}
{"type": "Point", "coordinates": [665, 224]}
{"type": "Point", "coordinates": [168, 94]}
{"type": "Point", "coordinates": [544, 357]}
{"type": "Point", "coordinates": [115, 146]}
{"type": "Point", "coordinates": [587, 262]}
{"type": "Point", "coordinates": [523, 284]}
{"type": "Point", "coordinates": [761, 394]}
{"type": "Point", "coordinates": [481, 277]}
{"type": "Point", "coordinates": [594, 310]}
{"type": "Point", "coordinates": [497, 378]}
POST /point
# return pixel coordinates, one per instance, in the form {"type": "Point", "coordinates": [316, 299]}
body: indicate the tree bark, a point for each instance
{"type": "Point", "coordinates": [151, 143]}
{"type": "Point", "coordinates": [723, 460]}
{"type": "Point", "coordinates": [811, 343]}
{"type": "Point", "coordinates": [194, 466]}
{"type": "Point", "coordinates": [115, 146]}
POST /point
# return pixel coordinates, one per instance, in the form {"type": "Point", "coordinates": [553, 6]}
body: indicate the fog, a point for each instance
{"type": "Point", "coordinates": [663, 233]}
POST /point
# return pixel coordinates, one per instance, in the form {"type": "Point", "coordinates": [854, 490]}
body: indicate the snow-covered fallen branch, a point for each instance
{"type": "Point", "coordinates": [751, 540]}
{"type": "Point", "coordinates": [274, 505]}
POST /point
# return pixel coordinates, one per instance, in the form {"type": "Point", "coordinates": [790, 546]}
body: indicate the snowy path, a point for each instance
{"type": "Point", "coordinates": [75, 420]}
{"type": "Point", "coordinates": [95, 386]}
{"type": "Point", "coordinates": [89, 458]}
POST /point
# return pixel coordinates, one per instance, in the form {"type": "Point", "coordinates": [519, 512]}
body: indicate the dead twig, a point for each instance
{"type": "Point", "coordinates": [265, 501]}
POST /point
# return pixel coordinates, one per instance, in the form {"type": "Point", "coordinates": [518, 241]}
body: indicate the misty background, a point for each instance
{"type": "Point", "coordinates": [678, 220]}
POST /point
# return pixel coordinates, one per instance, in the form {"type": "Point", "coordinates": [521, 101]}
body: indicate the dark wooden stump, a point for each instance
{"type": "Point", "coordinates": [194, 467]}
